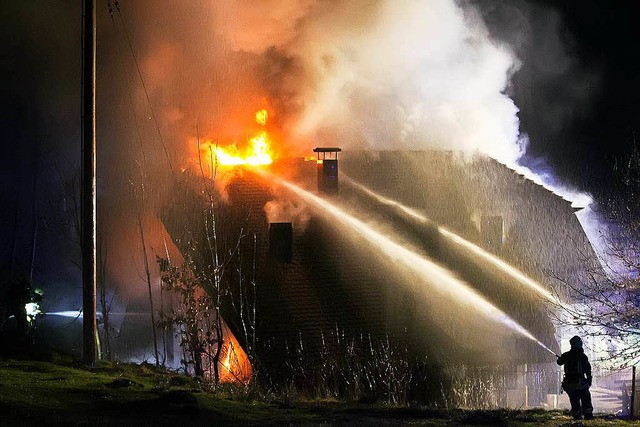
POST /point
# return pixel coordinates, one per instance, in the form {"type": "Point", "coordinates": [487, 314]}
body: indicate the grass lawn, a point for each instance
{"type": "Point", "coordinates": [65, 393]}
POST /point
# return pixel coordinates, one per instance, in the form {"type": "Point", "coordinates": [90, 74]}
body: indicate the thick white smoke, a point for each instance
{"type": "Point", "coordinates": [384, 74]}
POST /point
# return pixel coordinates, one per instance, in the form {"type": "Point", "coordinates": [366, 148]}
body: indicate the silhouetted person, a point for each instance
{"type": "Point", "coordinates": [18, 296]}
{"type": "Point", "coordinates": [577, 379]}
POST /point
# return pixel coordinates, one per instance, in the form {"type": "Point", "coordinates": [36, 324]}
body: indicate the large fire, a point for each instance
{"type": "Point", "coordinates": [257, 152]}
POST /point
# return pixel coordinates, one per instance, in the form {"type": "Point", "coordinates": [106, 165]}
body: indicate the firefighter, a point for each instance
{"type": "Point", "coordinates": [577, 379]}
{"type": "Point", "coordinates": [18, 296]}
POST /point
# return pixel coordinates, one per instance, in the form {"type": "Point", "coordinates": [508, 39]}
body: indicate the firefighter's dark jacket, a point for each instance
{"type": "Point", "coordinates": [571, 360]}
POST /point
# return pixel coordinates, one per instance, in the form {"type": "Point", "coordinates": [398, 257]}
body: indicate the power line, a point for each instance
{"type": "Point", "coordinates": [144, 86]}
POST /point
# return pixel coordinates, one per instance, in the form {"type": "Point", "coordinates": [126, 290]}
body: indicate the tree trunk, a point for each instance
{"type": "Point", "coordinates": [148, 276]}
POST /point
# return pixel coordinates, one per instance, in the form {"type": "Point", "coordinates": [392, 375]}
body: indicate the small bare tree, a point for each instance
{"type": "Point", "coordinates": [67, 205]}
{"type": "Point", "coordinates": [190, 315]}
{"type": "Point", "coordinates": [211, 278]}
{"type": "Point", "coordinates": [140, 192]}
{"type": "Point", "coordinates": [243, 300]}
{"type": "Point", "coordinates": [106, 292]}
{"type": "Point", "coordinates": [606, 305]}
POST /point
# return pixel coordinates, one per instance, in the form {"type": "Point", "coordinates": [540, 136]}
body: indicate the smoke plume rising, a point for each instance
{"type": "Point", "coordinates": [380, 74]}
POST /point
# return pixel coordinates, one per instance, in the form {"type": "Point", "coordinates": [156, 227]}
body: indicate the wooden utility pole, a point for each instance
{"type": "Point", "coordinates": [89, 329]}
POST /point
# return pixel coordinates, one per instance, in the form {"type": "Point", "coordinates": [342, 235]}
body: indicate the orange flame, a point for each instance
{"type": "Point", "coordinates": [235, 365]}
{"type": "Point", "coordinates": [261, 117]}
{"type": "Point", "coordinates": [257, 153]}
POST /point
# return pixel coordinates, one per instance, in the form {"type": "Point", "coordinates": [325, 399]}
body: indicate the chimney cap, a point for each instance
{"type": "Point", "coordinates": [327, 150]}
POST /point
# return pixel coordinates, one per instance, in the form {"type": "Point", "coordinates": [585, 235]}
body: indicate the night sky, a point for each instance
{"type": "Point", "coordinates": [578, 104]}
{"type": "Point", "coordinates": [601, 37]}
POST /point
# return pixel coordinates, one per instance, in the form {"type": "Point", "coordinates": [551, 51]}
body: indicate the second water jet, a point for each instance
{"type": "Point", "coordinates": [478, 252]}
{"type": "Point", "coordinates": [429, 273]}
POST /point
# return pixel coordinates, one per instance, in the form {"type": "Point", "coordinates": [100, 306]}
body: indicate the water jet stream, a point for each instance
{"type": "Point", "coordinates": [453, 237]}
{"type": "Point", "coordinates": [66, 313]}
{"type": "Point", "coordinates": [438, 277]}
{"type": "Point", "coordinates": [78, 313]}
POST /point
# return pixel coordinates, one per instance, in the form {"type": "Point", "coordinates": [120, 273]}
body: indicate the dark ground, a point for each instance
{"type": "Point", "coordinates": [65, 393]}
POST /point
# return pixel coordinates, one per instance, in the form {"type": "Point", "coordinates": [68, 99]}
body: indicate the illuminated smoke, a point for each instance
{"type": "Point", "coordinates": [388, 74]}
{"type": "Point", "coordinates": [383, 74]}
{"type": "Point", "coordinates": [403, 74]}
{"type": "Point", "coordinates": [284, 209]}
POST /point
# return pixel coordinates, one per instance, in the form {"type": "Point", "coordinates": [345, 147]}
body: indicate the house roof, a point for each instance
{"type": "Point", "coordinates": [334, 283]}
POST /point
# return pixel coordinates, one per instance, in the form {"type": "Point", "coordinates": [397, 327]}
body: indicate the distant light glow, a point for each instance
{"type": "Point", "coordinates": [32, 309]}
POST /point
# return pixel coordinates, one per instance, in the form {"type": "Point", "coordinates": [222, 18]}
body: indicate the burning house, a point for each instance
{"type": "Point", "coordinates": [315, 278]}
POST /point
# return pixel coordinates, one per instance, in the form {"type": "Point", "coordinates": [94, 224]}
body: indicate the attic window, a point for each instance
{"type": "Point", "coordinates": [492, 229]}
{"type": "Point", "coordinates": [281, 241]}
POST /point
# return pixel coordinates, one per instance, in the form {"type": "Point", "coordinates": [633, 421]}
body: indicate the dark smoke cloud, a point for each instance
{"type": "Point", "coordinates": [553, 86]}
